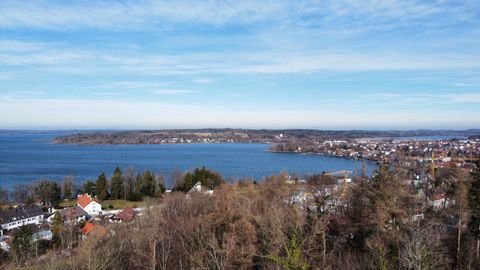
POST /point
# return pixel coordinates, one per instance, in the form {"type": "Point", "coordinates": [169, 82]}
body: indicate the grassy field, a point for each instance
{"type": "Point", "coordinates": [120, 204]}
{"type": "Point", "coordinates": [115, 204]}
{"type": "Point", "coordinates": [64, 204]}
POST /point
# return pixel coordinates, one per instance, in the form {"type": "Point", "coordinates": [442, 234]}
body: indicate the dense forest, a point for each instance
{"type": "Point", "coordinates": [127, 185]}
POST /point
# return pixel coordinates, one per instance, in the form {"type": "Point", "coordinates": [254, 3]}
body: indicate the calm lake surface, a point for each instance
{"type": "Point", "coordinates": [28, 157]}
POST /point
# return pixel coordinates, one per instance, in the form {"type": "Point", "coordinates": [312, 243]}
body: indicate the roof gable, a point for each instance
{"type": "Point", "coordinates": [96, 229]}
{"type": "Point", "coordinates": [72, 212]}
{"type": "Point", "coordinates": [87, 228]}
{"type": "Point", "coordinates": [84, 200]}
{"type": "Point", "coordinates": [126, 215]}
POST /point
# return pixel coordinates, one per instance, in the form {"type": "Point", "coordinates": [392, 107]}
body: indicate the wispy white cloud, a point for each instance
{"type": "Point", "coordinates": [421, 98]}
{"type": "Point", "coordinates": [44, 58]}
{"type": "Point", "coordinates": [173, 92]}
{"type": "Point", "coordinates": [135, 85]}
{"type": "Point", "coordinates": [203, 80]}
{"type": "Point", "coordinates": [157, 88]}
{"type": "Point", "coordinates": [464, 97]}
{"type": "Point", "coordinates": [23, 94]}
{"type": "Point", "coordinates": [236, 62]}
{"type": "Point", "coordinates": [112, 14]}
{"type": "Point", "coordinates": [115, 52]}
{"type": "Point", "coordinates": [132, 14]}
{"type": "Point", "coordinates": [7, 76]}
{"type": "Point", "coordinates": [15, 46]}
{"type": "Point", "coordinates": [107, 113]}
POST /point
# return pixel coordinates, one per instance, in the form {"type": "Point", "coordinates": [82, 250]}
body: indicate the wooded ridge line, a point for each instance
{"type": "Point", "coordinates": [169, 136]}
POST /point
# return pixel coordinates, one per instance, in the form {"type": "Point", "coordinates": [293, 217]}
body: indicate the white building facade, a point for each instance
{"type": "Point", "coordinates": [90, 206]}
{"type": "Point", "coordinates": [20, 216]}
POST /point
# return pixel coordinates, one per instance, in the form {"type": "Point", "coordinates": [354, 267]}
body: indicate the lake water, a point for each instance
{"type": "Point", "coordinates": [28, 157]}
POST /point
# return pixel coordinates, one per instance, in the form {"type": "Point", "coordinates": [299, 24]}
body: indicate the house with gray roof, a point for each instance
{"type": "Point", "coordinates": [71, 215]}
{"type": "Point", "coordinates": [19, 216]}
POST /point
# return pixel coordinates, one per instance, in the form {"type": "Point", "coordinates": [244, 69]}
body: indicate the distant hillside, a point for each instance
{"type": "Point", "coordinates": [243, 135]}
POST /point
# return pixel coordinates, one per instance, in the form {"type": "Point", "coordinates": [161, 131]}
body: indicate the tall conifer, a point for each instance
{"type": "Point", "coordinates": [117, 184]}
{"type": "Point", "coordinates": [102, 187]}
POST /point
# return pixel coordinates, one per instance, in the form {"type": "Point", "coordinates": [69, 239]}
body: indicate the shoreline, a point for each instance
{"type": "Point", "coordinates": [181, 143]}
{"type": "Point", "coordinates": [325, 155]}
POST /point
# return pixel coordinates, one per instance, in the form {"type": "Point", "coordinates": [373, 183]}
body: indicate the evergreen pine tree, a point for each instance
{"type": "Point", "coordinates": [102, 187]}
{"type": "Point", "coordinates": [89, 188]}
{"type": "Point", "coordinates": [48, 192]}
{"type": "Point", "coordinates": [138, 195]}
{"type": "Point", "coordinates": [117, 184]}
{"type": "Point", "coordinates": [148, 184]}
{"type": "Point", "coordinates": [206, 177]}
{"type": "Point", "coordinates": [57, 226]}
{"type": "Point", "coordinates": [23, 244]}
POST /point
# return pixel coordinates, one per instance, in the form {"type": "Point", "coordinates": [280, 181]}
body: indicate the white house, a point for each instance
{"type": "Point", "coordinates": [439, 201]}
{"type": "Point", "coordinates": [20, 216]}
{"type": "Point", "coordinates": [4, 243]}
{"type": "Point", "coordinates": [198, 188]}
{"type": "Point", "coordinates": [43, 235]}
{"type": "Point", "coordinates": [90, 206]}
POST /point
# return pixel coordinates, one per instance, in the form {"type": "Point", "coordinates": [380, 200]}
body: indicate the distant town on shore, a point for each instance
{"type": "Point", "coordinates": [169, 136]}
{"type": "Point", "coordinates": [380, 146]}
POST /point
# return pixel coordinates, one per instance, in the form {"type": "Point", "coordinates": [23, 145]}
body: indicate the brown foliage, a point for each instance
{"type": "Point", "coordinates": [251, 226]}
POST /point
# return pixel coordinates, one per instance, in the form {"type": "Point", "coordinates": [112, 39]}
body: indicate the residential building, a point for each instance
{"type": "Point", "coordinates": [198, 188]}
{"type": "Point", "coordinates": [438, 200]}
{"type": "Point", "coordinates": [71, 215]}
{"type": "Point", "coordinates": [20, 216]}
{"type": "Point", "coordinates": [89, 205]}
{"type": "Point", "coordinates": [93, 229]}
{"type": "Point", "coordinates": [126, 215]}
{"type": "Point", "coordinates": [5, 243]}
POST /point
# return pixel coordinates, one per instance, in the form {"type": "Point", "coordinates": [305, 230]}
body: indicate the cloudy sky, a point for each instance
{"type": "Point", "coordinates": [252, 64]}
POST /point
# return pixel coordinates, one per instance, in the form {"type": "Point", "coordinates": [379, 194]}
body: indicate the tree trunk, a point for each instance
{"type": "Point", "coordinates": [154, 257]}
{"type": "Point", "coordinates": [478, 249]}
{"type": "Point", "coordinates": [324, 249]}
{"type": "Point", "coordinates": [459, 235]}
{"type": "Point", "coordinates": [89, 258]}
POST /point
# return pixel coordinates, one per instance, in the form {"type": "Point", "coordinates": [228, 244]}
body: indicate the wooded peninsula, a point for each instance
{"type": "Point", "coordinates": [245, 135]}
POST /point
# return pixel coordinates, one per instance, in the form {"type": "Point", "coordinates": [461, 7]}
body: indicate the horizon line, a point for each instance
{"type": "Point", "coordinates": [237, 128]}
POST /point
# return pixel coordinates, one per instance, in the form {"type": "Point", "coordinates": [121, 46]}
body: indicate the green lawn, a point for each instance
{"type": "Point", "coordinates": [64, 204]}
{"type": "Point", "coordinates": [120, 204]}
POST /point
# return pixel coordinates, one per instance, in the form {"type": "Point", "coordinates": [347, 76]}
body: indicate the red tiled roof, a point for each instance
{"type": "Point", "coordinates": [94, 229]}
{"type": "Point", "coordinates": [87, 228]}
{"type": "Point", "coordinates": [438, 196]}
{"type": "Point", "coordinates": [84, 200]}
{"type": "Point", "coordinates": [126, 215]}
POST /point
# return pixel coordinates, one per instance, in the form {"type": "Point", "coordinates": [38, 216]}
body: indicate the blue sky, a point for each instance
{"type": "Point", "coordinates": [251, 64]}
